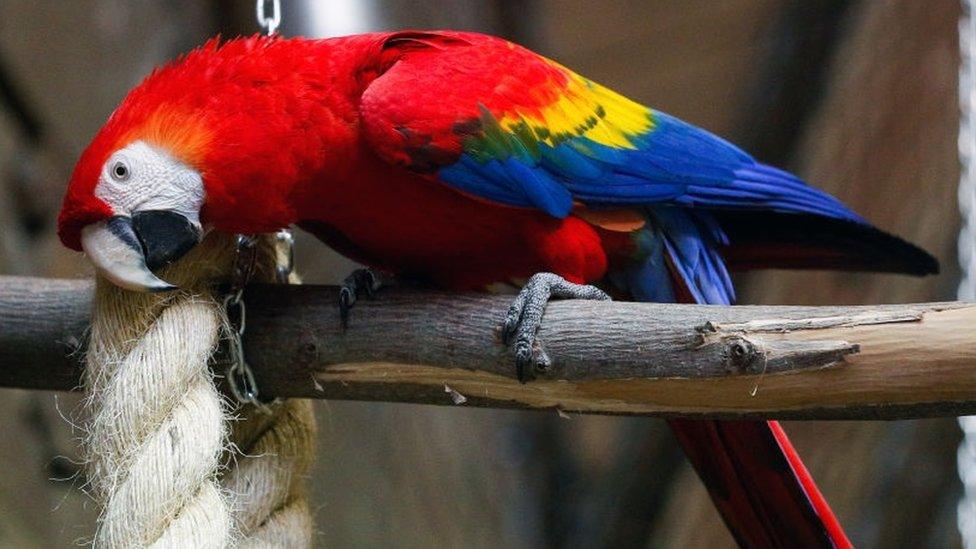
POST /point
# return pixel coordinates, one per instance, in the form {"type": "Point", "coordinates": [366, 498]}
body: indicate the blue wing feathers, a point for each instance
{"type": "Point", "coordinates": [510, 181]}
{"type": "Point", "coordinates": [542, 190]}
{"type": "Point", "coordinates": [571, 163]}
{"type": "Point", "coordinates": [674, 163]}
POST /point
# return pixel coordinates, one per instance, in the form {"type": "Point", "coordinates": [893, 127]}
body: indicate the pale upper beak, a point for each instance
{"type": "Point", "coordinates": [126, 250]}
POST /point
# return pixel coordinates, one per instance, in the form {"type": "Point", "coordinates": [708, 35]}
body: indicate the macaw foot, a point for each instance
{"type": "Point", "coordinates": [525, 316]}
{"type": "Point", "coordinates": [361, 282]}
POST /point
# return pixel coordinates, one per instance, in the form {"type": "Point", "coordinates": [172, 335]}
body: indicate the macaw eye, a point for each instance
{"type": "Point", "coordinates": [120, 172]}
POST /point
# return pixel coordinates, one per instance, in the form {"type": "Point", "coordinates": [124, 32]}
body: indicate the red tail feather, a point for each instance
{"type": "Point", "coordinates": [826, 514]}
{"type": "Point", "coordinates": [759, 485]}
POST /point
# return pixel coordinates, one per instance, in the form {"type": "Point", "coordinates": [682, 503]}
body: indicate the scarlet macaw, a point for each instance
{"type": "Point", "coordinates": [465, 160]}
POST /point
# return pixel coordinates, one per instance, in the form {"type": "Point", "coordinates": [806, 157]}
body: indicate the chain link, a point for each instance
{"type": "Point", "coordinates": [269, 22]}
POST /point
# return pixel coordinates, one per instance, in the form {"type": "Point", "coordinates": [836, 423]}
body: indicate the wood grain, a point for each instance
{"type": "Point", "coordinates": [892, 361]}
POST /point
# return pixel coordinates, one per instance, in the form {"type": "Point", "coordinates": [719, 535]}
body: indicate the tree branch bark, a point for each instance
{"type": "Point", "coordinates": [890, 361]}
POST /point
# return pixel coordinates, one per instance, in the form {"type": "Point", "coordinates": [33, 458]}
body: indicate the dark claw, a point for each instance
{"type": "Point", "coordinates": [360, 282]}
{"type": "Point", "coordinates": [367, 281]}
{"type": "Point", "coordinates": [347, 296]}
{"type": "Point", "coordinates": [524, 317]}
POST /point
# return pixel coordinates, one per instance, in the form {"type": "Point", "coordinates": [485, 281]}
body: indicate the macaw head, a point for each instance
{"type": "Point", "coordinates": [134, 200]}
{"type": "Point", "coordinates": [236, 137]}
{"type": "Point", "coordinates": [195, 147]}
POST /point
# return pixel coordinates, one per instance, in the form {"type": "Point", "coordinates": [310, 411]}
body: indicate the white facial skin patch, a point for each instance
{"type": "Point", "coordinates": [135, 181]}
{"type": "Point", "coordinates": [141, 177]}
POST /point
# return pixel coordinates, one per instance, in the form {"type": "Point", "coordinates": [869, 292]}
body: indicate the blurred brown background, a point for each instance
{"type": "Point", "coordinates": [859, 97]}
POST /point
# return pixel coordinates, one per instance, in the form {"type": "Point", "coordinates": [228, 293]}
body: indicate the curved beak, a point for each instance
{"type": "Point", "coordinates": [126, 250]}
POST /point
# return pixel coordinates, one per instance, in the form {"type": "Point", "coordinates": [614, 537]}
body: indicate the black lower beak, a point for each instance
{"type": "Point", "coordinates": [165, 236]}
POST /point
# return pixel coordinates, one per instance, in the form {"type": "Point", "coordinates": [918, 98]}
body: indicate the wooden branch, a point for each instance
{"type": "Point", "coordinates": [891, 361]}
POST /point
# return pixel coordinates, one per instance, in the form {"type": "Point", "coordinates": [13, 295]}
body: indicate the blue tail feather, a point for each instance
{"type": "Point", "coordinates": [686, 242]}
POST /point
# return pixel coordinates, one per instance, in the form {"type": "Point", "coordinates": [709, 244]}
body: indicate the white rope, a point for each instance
{"type": "Point", "coordinates": [158, 426]}
{"type": "Point", "coordinates": [966, 457]}
{"type": "Point", "coordinates": [267, 484]}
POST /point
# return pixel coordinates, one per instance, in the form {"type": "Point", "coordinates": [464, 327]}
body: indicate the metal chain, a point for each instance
{"type": "Point", "coordinates": [240, 377]}
{"type": "Point", "coordinates": [269, 21]}
{"type": "Point", "coordinates": [966, 455]}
